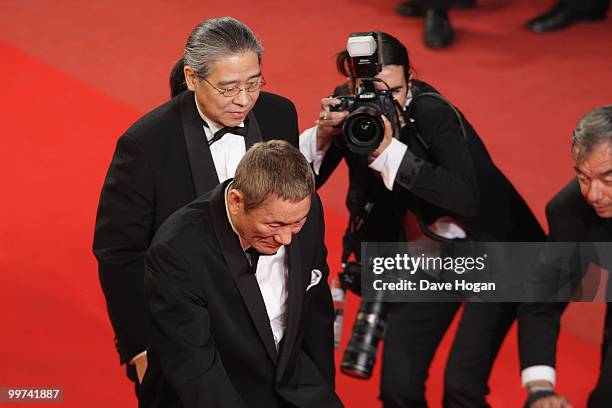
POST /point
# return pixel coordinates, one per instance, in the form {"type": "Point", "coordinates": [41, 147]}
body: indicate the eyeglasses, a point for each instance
{"type": "Point", "coordinates": [235, 90]}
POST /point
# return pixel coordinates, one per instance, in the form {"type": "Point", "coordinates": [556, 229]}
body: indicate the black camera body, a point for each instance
{"type": "Point", "coordinates": [363, 130]}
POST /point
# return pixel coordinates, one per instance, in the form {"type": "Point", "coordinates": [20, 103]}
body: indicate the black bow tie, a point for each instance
{"type": "Point", "coordinates": [254, 255]}
{"type": "Point", "coordinates": [234, 130]}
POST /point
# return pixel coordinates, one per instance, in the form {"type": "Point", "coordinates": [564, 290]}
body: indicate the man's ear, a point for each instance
{"type": "Point", "coordinates": [235, 202]}
{"type": "Point", "coordinates": [190, 78]}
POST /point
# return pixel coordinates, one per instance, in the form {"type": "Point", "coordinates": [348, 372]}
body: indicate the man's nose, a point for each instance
{"type": "Point", "coordinates": [242, 98]}
{"type": "Point", "coordinates": [595, 192]}
{"type": "Point", "coordinates": [283, 236]}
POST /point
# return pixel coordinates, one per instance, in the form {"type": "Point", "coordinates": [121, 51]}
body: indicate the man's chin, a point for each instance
{"type": "Point", "coordinates": [604, 213]}
{"type": "Point", "coordinates": [268, 249]}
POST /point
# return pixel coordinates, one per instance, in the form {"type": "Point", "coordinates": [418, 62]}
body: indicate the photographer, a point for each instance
{"type": "Point", "coordinates": [430, 165]}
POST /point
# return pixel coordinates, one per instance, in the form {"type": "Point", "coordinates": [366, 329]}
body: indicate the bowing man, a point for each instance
{"type": "Point", "coordinates": [236, 284]}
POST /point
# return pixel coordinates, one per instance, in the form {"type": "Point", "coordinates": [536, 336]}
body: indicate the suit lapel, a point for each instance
{"type": "Point", "coordinates": [295, 297]}
{"type": "Point", "coordinates": [253, 132]}
{"type": "Point", "coordinates": [239, 268]}
{"type": "Point", "coordinates": [251, 295]}
{"type": "Point", "coordinates": [203, 171]}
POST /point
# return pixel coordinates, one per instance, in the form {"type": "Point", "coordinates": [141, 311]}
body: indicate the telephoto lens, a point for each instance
{"type": "Point", "coordinates": [368, 331]}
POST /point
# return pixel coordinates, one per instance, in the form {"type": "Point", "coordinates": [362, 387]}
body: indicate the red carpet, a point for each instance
{"type": "Point", "coordinates": [77, 74]}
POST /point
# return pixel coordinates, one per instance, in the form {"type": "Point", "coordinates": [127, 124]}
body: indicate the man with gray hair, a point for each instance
{"type": "Point", "coordinates": [174, 154]}
{"type": "Point", "coordinates": [580, 212]}
{"type": "Point", "coordinates": [236, 283]}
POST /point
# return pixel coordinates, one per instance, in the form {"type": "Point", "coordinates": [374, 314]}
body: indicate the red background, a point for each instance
{"type": "Point", "coordinates": [76, 74]}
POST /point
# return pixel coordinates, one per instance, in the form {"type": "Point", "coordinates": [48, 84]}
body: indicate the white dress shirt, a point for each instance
{"type": "Point", "coordinates": [227, 151]}
{"type": "Point", "coordinates": [271, 275]}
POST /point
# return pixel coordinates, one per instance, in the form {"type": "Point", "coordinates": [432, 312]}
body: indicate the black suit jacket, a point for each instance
{"type": "Point", "coordinates": [570, 219]}
{"type": "Point", "coordinates": [212, 345]}
{"type": "Point", "coordinates": [443, 173]}
{"type": "Point", "coordinates": [160, 164]}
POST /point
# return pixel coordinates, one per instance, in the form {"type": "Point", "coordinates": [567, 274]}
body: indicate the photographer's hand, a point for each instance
{"type": "Point", "coordinates": [387, 137]}
{"type": "Point", "coordinates": [329, 123]}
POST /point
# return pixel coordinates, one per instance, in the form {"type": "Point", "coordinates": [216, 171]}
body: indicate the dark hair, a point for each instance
{"type": "Point", "coordinates": [594, 128]}
{"type": "Point", "coordinates": [393, 53]}
{"type": "Point", "coordinates": [216, 38]}
{"type": "Point", "coordinates": [209, 41]}
{"type": "Point", "coordinates": [177, 78]}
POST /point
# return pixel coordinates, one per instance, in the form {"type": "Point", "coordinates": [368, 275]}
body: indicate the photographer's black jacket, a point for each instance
{"type": "Point", "coordinates": [447, 175]}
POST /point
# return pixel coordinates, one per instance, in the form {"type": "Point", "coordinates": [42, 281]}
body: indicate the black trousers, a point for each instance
{"type": "Point", "coordinates": [588, 6]}
{"type": "Point", "coordinates": [436, 4]}
{"type": "Point", "coordinates": [479, 337]}
{"type": "Point", "coordinates": [413, 335]}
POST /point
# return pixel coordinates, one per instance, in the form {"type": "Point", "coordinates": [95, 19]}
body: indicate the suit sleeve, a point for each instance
{"type": "Point", "coordinates": [181, 332]}
{"type": "Point", "coordinates": [294, 132]}
{"type": "Point", "coordinates": [318, 340]}
{"type": "Point", "coordinates": [123, 231]}
{"type": "Point", "coordinates": [448, 179]}
{"type": "Point", "coordinates": [539, 323]}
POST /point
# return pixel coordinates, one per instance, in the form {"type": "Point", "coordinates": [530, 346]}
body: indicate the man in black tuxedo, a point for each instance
{"type": "Point", "coordinates": [236, 283]}
{"type": "Point", "coordinates": [580, 212]}
{"type": "Point", "coordinates": [174, 154]}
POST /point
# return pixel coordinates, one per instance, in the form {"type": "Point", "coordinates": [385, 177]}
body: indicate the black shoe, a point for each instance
{"type": "Point", "coordinates": [438, 32]}
{"type": "Point", "coordinates": [561, 17]}
{"type": "Point", "coordinates": [414, 9]}
{"type": "Point", "coordinates": [410, 9]}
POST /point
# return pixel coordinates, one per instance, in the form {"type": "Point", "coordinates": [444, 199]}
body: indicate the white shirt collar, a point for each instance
{"type": "Point", "coordinates": [408, 98]}
{"type": "Point", "coordinates": [212, 126]}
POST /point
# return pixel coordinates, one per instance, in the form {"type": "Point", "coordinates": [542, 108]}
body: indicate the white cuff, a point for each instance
{"type": "Point", "coordinates": [538, 373]}
{"type": "Point", "coordinates": [308, 147]}
{"type": "Point", "coordinates": [137, 356]}
{"type": "Point", "coordinates": [388, 162]}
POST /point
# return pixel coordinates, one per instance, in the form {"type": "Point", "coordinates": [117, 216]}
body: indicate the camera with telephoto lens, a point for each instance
{"type": "Point", "coordinates": [363, 129]}
{"type": "Point", "coordinates": [368, 330]}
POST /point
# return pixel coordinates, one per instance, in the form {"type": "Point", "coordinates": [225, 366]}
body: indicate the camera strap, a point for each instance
{"type": "Point", "coordinates": [408, 114]}
{"type": "Point", "coordinates": [351, 243]}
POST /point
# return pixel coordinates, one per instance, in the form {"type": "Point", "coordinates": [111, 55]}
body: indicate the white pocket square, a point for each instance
{"type": "Point", "coordinates": [315, 277]}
